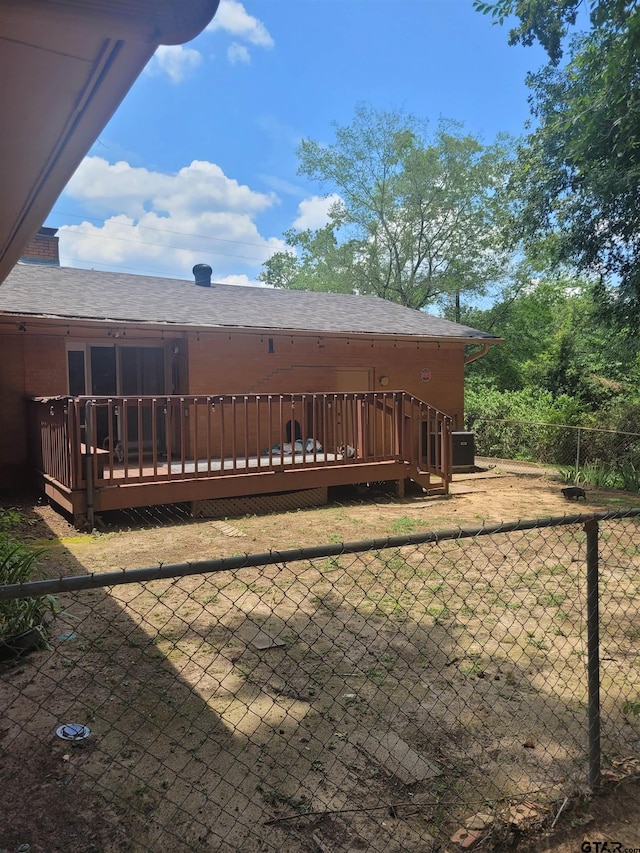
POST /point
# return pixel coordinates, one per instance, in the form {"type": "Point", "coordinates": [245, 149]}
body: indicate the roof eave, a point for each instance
{"type": "Point", "coordinates": [151, 325]}
{"type": "Point", "coordinates": [155, 22]}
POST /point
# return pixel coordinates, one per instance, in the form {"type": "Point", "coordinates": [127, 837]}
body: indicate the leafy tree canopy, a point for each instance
{"type": "Point", "coordinates": [557, 341]}
{"type": "Point", "coordinates": [549, 21]}
{"type": "Point", "coordinates": [418, 218]}
{"type": "Point", "coordinates": [577, 187]}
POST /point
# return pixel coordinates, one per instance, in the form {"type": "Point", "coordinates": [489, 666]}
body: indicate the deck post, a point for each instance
{"type": "Point", "coordinates": [89, 460]}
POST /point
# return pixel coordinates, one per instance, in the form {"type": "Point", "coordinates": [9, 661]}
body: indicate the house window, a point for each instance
{"type": "Point", "coordinates": [108, 370]}
{"type": "Point", "coordinates": [104, 379]}
{"type": "Point", "coordinates": [76, 372]}
{"type": "Point", "coordinates": [141, 370]}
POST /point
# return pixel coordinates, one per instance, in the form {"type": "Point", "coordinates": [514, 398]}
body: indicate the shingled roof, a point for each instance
{"type": "Point", "coordinates": [118, 297]}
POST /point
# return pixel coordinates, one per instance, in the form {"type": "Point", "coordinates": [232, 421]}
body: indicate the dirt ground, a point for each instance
{"type": "Point", "coordinates": [168, 535]}
{"type": "Point", "coordinates": [149, 536]}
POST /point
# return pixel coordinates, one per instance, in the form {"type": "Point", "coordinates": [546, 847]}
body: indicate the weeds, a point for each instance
{"type": "Point", "coordinates": [551, 599]}
{"type": "Point", "coordinates": [276, 798]}
{"type": "Point", "coordinates": [602, 475]}
{"type": "Point", "coordinates": [404, 526]}
{"type": "Point", "coordinates": [18, 564]}
{"type": "Point", "coordinates": [10, 518]}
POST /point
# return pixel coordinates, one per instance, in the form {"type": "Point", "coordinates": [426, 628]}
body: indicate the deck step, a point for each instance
{"type": "Point", "coordinates": [436, 490]}
{"type": "Point", "coordinates": [431, 483]}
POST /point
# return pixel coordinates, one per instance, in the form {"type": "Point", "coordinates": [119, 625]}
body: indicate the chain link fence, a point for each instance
{"type": "Point", "coordinates": [598, 457]}
{"type": "Point", "coordinates": [387, 695]}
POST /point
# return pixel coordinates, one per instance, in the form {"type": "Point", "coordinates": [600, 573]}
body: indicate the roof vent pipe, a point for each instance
{"type": "Point", "coordinates": [202, 275]}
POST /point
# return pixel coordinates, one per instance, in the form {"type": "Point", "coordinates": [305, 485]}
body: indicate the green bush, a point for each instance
{"type": "Point", "coordinates": [603, 476]}
{"type": "Point", "coordinates": [521, 424]}
{"type": "Point", "coordinates": [18, 564]}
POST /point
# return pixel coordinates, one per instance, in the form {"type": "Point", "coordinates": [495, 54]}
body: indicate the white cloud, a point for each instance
{"type": "Point", "coordinates": [314, 212]}
{"type": "Point", "coordinates": [175, 61]}
{"type": "Point", "coordinates": [163, 224]}
{"type": "Point", "coordinates": [238, 53]}
{"type": "Point", "coordinates": [233, 18]}
{"type": "Point", "coordinates": [241, 281]}
{"type": "Point", "coordinates": [201, 186]}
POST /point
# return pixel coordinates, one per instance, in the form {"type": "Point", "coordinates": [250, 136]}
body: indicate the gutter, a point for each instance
{"type": "Point", "coordinates": [484, 349]}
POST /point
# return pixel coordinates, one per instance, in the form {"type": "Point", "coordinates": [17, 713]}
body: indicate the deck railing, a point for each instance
{"type": "Point", "coordinates": [53, 445]}
{"type": "Point", "coordinates": [98, 441]}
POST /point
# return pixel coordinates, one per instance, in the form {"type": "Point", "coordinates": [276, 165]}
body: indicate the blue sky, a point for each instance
{"type": "Point", "coordinates": [198, 165]}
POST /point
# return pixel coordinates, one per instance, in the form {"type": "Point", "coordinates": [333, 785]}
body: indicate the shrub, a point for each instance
{"type": "Point", "coordinates": [18, 564]}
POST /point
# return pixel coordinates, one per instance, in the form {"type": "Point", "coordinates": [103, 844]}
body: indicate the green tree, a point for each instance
{"type": "Point", "coordinates": [550, 21]}
{"type": "Point", "coordinates": [528, 316]}
{"type": "Point", "coordinates": [419, 218]}
{"type": "Point", "coordinates": [578, 182]}
{"type": "Point", "coordinates": [556, 341]}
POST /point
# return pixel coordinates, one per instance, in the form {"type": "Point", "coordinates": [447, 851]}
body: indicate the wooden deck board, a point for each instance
{"type": "Point", "coordinates": [216, 466]}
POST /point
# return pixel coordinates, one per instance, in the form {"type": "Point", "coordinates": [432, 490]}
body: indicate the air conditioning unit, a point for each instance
{"type": "Point", "coordinates": [463, 450]}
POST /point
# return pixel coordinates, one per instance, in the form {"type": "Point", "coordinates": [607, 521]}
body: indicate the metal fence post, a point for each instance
{"type": "Point", "coordinates": [578, 454]}
{"type": "Point", "coordinates": [593, 653]}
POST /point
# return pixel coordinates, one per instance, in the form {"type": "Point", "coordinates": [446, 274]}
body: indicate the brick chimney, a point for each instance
{"type": "Point", "coordinates": [42, 249]}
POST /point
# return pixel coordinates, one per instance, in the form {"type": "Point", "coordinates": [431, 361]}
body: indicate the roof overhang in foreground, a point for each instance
{"type": "Point", "coordinates": [67, 65]}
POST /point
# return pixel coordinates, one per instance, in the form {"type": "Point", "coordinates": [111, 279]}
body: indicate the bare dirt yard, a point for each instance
{"type": "Point", "coordinates": [381, 701]}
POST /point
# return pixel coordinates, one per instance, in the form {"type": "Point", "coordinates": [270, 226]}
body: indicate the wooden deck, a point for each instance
{"type": "Point", "coordinates": [93, 454]}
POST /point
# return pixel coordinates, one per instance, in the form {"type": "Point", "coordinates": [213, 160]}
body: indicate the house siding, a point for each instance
{"type": "Point", "coordinates": [45, 366]}
{"type": "Point", "coordinates": [229, 363]}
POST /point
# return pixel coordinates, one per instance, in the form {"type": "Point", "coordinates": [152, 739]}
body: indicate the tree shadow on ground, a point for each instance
{"type": "Point", "coordinates": [224, 708]}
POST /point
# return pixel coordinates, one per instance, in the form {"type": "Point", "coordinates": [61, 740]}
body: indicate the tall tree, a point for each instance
{"type": "Point", "coordinates": [550, 21]}
{"type": "Point", "coordinates": [556, 340]}
{"type": "Point", "coordinates": [579, 176]}
{"type": "Point", "coordinates": [419, 218]}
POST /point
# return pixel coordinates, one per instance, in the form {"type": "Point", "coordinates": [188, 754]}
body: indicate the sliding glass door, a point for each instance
{"type": "Point", "coordinates": [142, 372]}
{"type": "Point", "coordinates": [120, 370]}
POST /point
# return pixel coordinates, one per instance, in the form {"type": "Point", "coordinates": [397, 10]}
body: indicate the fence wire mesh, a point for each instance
{"type": "Point", "coordinates": [584, 455]}
{"type": "Point", "coordinates": [381, 697]}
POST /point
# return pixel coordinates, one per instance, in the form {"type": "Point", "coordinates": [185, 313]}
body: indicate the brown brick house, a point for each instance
{"type": "Point", "coordinates": [169, 390]}
{"type": "Point", "coordinates": [126, 391]}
